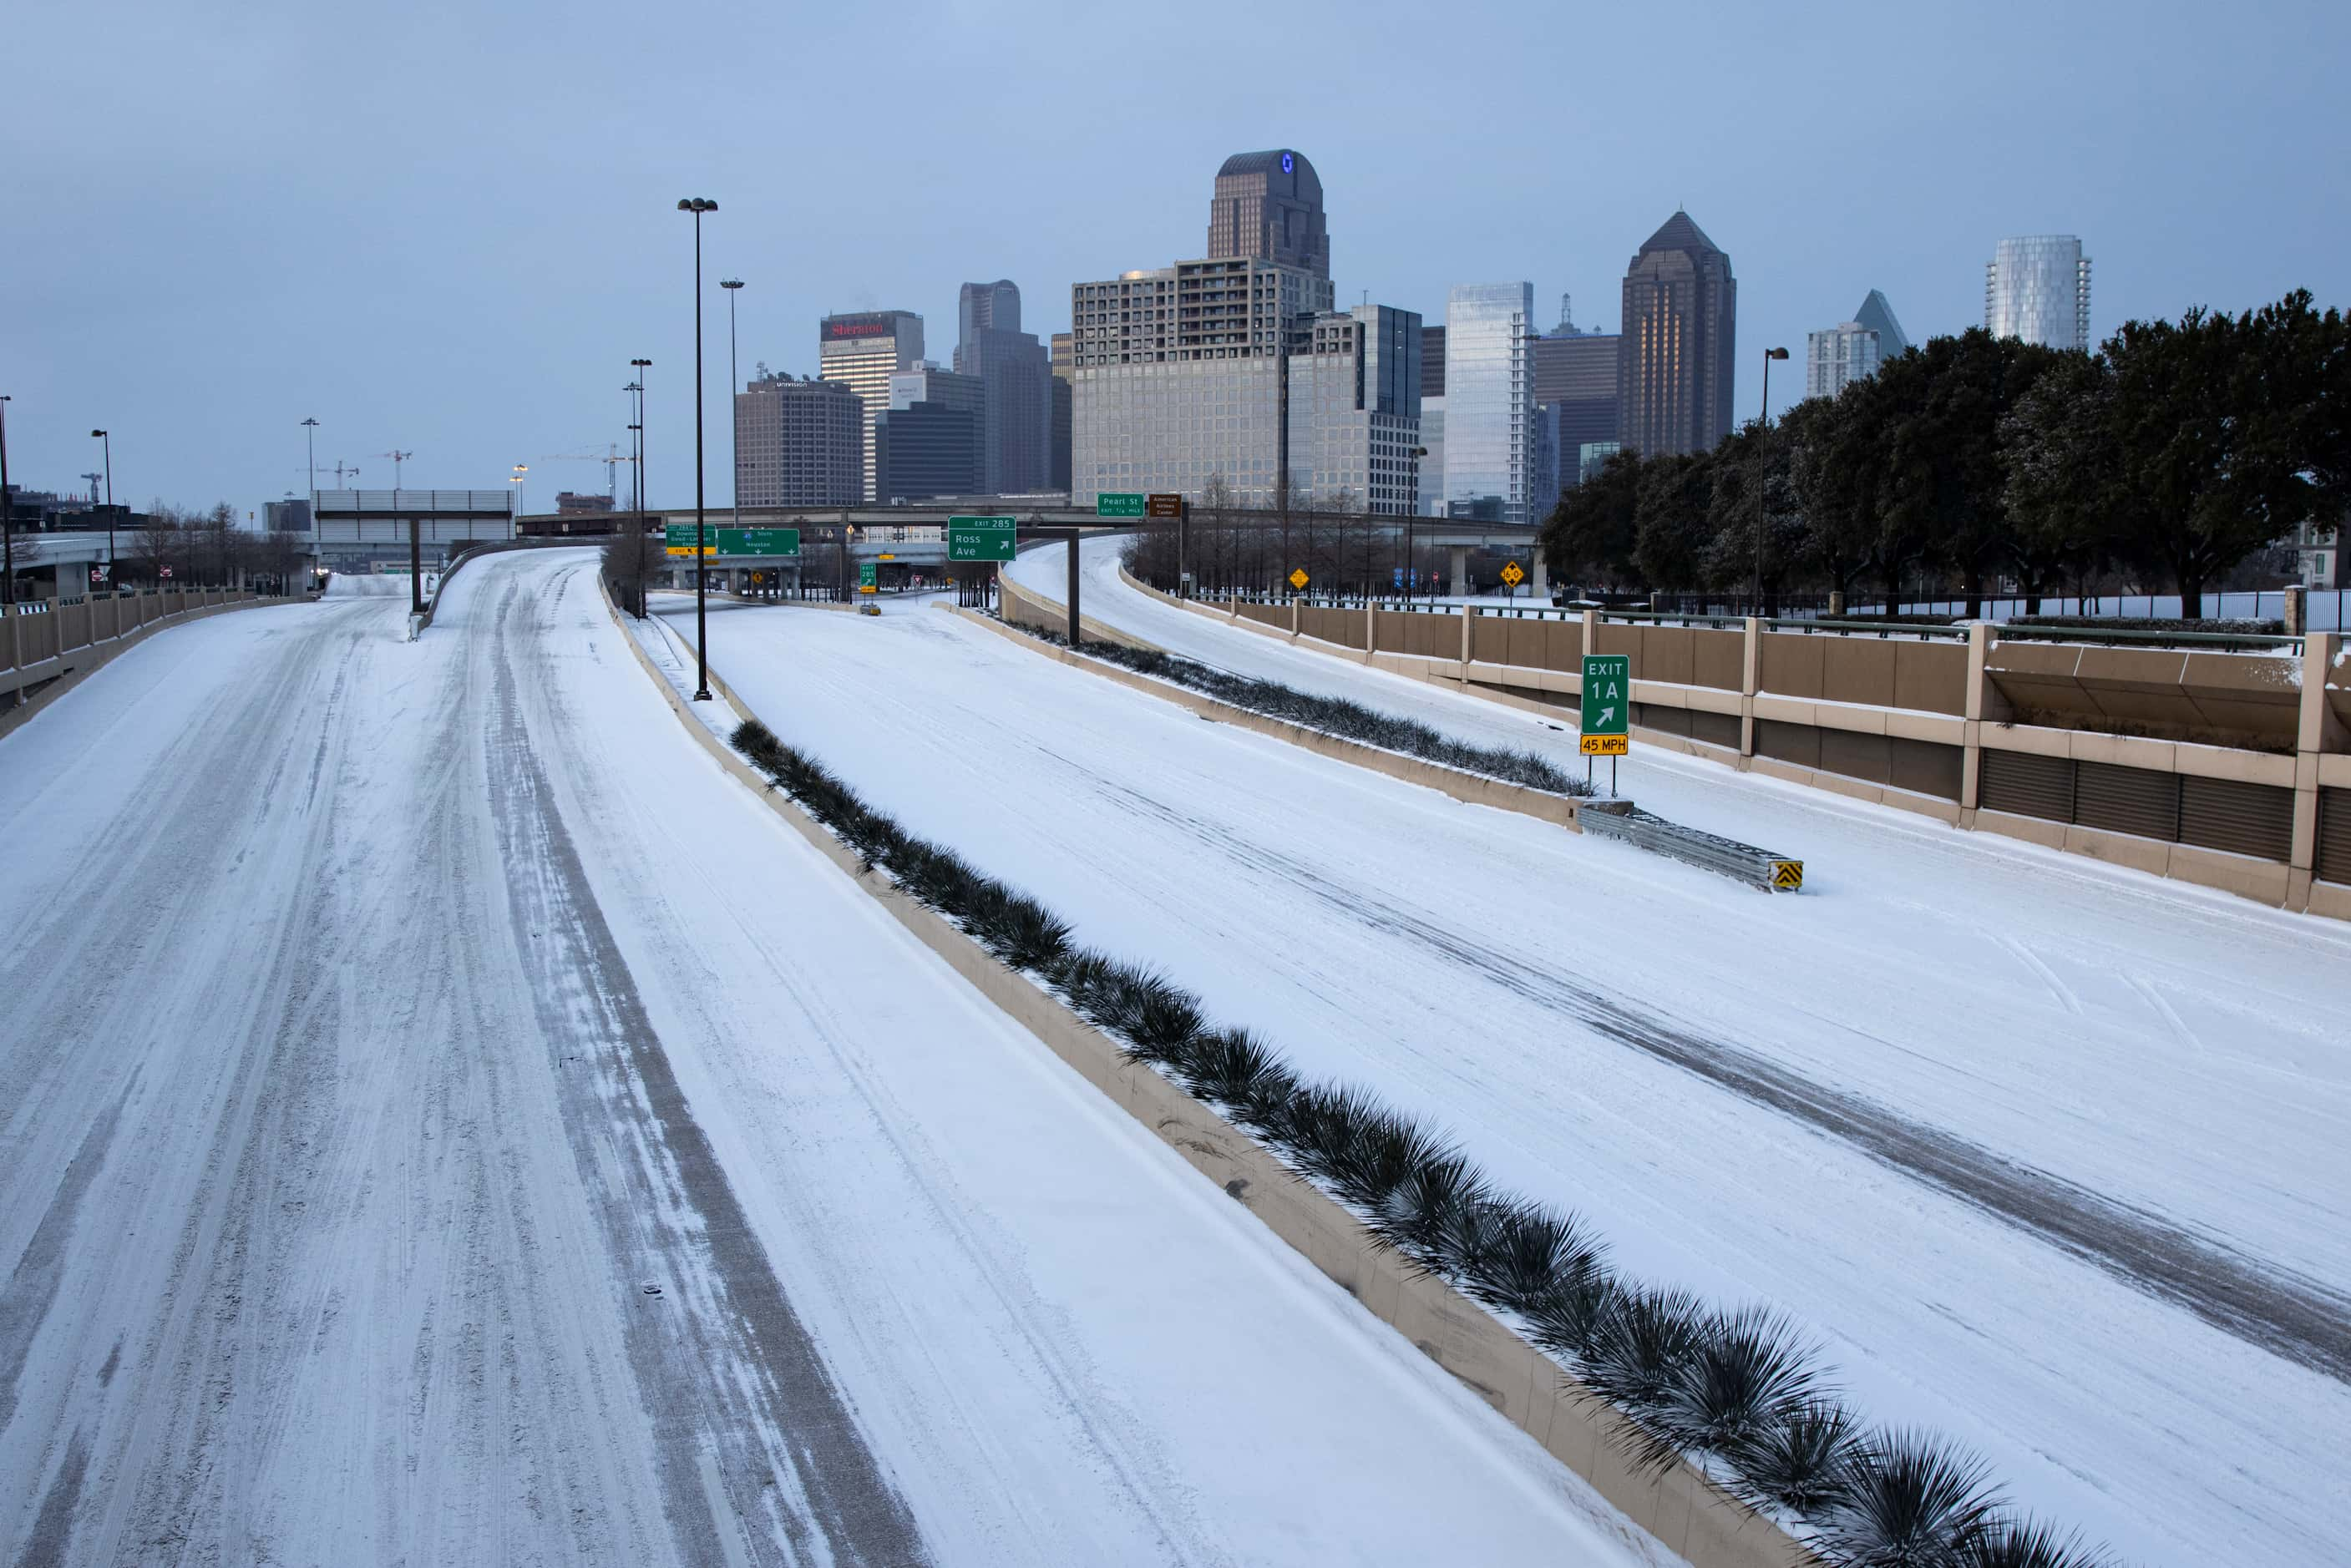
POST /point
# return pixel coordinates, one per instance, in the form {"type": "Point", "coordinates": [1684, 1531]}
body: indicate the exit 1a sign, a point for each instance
{"type": "Point", "coordinates": [1608, 705]}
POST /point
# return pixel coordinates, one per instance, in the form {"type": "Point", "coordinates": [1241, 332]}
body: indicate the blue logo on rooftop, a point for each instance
{"type": "Point", "coordinates": [1285, 164]}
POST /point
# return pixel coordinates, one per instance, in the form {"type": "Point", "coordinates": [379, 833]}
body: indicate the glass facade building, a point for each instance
{"type": "Point", "coordinates": [1576, 373]}
{"type": "Point", "coordinates": [863, 351]}
{"type": "Point", "coordinates": [1853, 350]}
{"type": "Point", "coordinates": [2037, 288]}
{"type": "Point", "coordinates": [1677, 362]}
{"type": "Point", "coordinates": [1492, 447]}
{"type": "Point", "coordinates": [1017, 405]}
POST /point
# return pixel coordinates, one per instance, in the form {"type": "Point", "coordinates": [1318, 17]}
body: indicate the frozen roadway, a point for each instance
{"type": "Point", "coordinates": [2050, 1156]}
{"type": "Point", "coordinates": [450, 1121]}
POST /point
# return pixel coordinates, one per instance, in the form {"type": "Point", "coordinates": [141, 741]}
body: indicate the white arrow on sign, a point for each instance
{"type": "Point", "coordinates": [1605, 715]}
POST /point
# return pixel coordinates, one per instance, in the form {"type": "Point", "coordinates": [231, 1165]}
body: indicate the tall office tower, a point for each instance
{"type": "Point", "coordinates": [2037, 288]}
{"type": "Point", "coordinates": [1057, 462]}
{"type": "Point", "coordinates": [799, 443]}
{"type": "Point", "coordinates": [1853, 350]}
{"type": "Point", "coordinates": [1575, 372]}
{"type": "Point", "coordinates": [988, 304]}
{"type": "Point", "coordinates": [1675, 368]}
{"type": "Point", "coordinates": [863, 351]}
{"type": "Point", "coordinates": [1432, 422]}
{"type": "Point", "coordinates": [1016, 411]}
{"type": "Point", "coordinates": [1179, 377]}
{"type": "Point", "coordinates": [1355, 410]}
{"type": "Point", "coordinates": [1490, 443]}
{"type": "Point", "coordinates": [1268, 206]}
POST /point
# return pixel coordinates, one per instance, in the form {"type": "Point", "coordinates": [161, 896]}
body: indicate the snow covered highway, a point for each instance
{"type": "Point", "coordinates": [2049, 1154]}
{"type": "Point", "coordinates": [450, 1120]}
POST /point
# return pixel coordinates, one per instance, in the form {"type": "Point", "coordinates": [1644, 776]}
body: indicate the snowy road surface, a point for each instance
{"type": "Point", "coordinates": [448, 1120]}
{"type": "Point", "coordinates": [2051, 1155]}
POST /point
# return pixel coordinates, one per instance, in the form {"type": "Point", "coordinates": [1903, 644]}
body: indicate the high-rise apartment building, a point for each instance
{"type": "Point", "coordinates": [863, 351]}
{"type": "Point", "coordinates": [1016, 409]}
{"type": "Point", "coordinates": [1179, 377]}
{"type": "Point", "coordinates": [1676, 365]}
{"type": "Point", "coordinates": [1268, 206]}
{"type": "Point", "coordinates": [1853, 350]}
{"type": "Point", "coordinates": [1492, 451]}
{"type": "Point", "coordinates": [1057, 460]}
{"type": "Point", "coordinates": [1233, 371]}
{"type": "Point", "coordinates": [2037, 288]}
{"type": "Point", "coordinates": [799, 443]}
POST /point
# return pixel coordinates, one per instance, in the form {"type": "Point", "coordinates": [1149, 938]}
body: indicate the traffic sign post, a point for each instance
{"type": "Point", "coordinates": [1297, 579]}
{"type": "Point", "coordinates": [869, 576]}
{"type": "Point", "coordinates": [982, 538]}
{"type": "Point", "coordinates": [1163, 505]}
{"type": "Point", "coordinates": [1512, 576]}
{"type": "Point", "coordinates": [677, 539]}
{"type": "Point", "coordinates": [1118, 504]}
{"type": "Point", "coordinates": [1607, 719]}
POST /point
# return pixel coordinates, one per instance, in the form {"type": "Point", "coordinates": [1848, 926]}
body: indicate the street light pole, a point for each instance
{"type": "Point", "coordinates": [698, 205]}
{"type": "Point", "coordinates": [310, 435]}
{"type": "Point", "coordinates": [732, 285]}
{"type": "Point", "coordinates": [107, 446]}
{"type": "Point", "coordinates": [1760, 426]}
{"type": "Point", "coordinates": [7, 517]}
{"type": "Point", "coordinates": [638, 386]}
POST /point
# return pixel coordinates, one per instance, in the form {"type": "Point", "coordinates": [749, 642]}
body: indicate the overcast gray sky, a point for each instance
{"type": "Point", "coordinates": [447, 229]}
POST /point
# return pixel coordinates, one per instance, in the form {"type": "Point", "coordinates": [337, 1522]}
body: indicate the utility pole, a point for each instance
{"type": "Point", "coordinates": [310, 436]}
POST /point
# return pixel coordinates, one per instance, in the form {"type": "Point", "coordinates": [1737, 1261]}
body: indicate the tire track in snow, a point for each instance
{"type": "Point", "coordinates": [2285, 1313]}
{"type": "Point", "coordinates": [752, 1430]}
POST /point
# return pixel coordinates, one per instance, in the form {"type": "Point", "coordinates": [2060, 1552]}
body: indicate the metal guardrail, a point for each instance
{"type": "Point", "coordinates": [1708, 851]}
{"type": "Point", "coordinates": [2260, 639]}
{"type": "Point", "coordinates": [1926, 631]}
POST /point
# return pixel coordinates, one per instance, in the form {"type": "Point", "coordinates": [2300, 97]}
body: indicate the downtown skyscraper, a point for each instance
{"type": "Point", "coordinates": [2037, 288]}
{"type": "Point", "coordinates": [1680, 340]}
{"type": "Point", "coordinates": [1015, 376]}
{"type": "Point", "coordinates": [863, 351]}
{"type": "Point", "coordinates": [1233, 375]}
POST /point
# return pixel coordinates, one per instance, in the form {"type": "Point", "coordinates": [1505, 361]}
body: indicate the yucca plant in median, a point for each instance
{"type": "Point", "coordinates": [1739, 1390]}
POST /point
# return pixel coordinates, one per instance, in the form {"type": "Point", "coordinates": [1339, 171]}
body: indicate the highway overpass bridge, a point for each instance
{"type": "Point", "coordinates": [914, 537]}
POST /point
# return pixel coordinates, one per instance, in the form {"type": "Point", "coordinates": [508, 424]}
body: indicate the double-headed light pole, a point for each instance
{"type": "Point", "coordinates": [698, 205]}
{"type": "Point", "coordinates": [733, 285]}
{"type": "Point", "coordinates": [7, 515]}
{"type": "Point", "coordinates": [1762, 477]}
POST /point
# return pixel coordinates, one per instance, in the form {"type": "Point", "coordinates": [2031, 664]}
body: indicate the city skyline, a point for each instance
{"type": "Point", "coordinates": [205, 274]}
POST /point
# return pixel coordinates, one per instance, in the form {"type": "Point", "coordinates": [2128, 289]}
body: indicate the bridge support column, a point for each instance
{"type": "Point", "coordinates": [1459, 557]}
{"type": "Point", "coordinates": [1541, 586]}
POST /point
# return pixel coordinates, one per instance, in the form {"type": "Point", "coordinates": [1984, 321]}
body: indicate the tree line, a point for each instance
{"type": "Point", "coordinates": [189, 547]}
{"type": "Point", "coordinates": [2171, 453]}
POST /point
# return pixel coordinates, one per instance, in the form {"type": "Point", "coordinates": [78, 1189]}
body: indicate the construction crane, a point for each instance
{"type": "Point", "coordinates": [93, 479]}
{"type": "Point", "coordinates": [610, 457]}
{"type": "Point", "coordinates": [341, 469]}
{"type": "Point", "coordinates": [397, 459]}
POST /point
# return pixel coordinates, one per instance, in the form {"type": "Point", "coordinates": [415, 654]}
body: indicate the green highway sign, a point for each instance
{"type": "Point", "coordinates": [677, 539]}
{"type": "Point", "coordinates": [981, 538]}
{"type": "Point", "coordinates": [1608, 705]}
{"type": "Point", "coordinates": [869, 576]}
{"type": "Point", "coordinates": [1116, 503]}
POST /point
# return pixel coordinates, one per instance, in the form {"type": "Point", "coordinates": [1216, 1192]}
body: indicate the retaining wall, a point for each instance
{"type": "Point", "coordinates": [1936, 727]}
{"type": "Point", "coordinates": [61, 643]}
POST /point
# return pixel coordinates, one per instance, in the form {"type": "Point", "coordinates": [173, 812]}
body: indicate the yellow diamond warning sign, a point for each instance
{"type": "Point", "coordinates": [1787, 876]}
{"type": "Point", "coordinates": [1513, 574]}
{"type": "Point", "coordinates": [1298, 577]}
